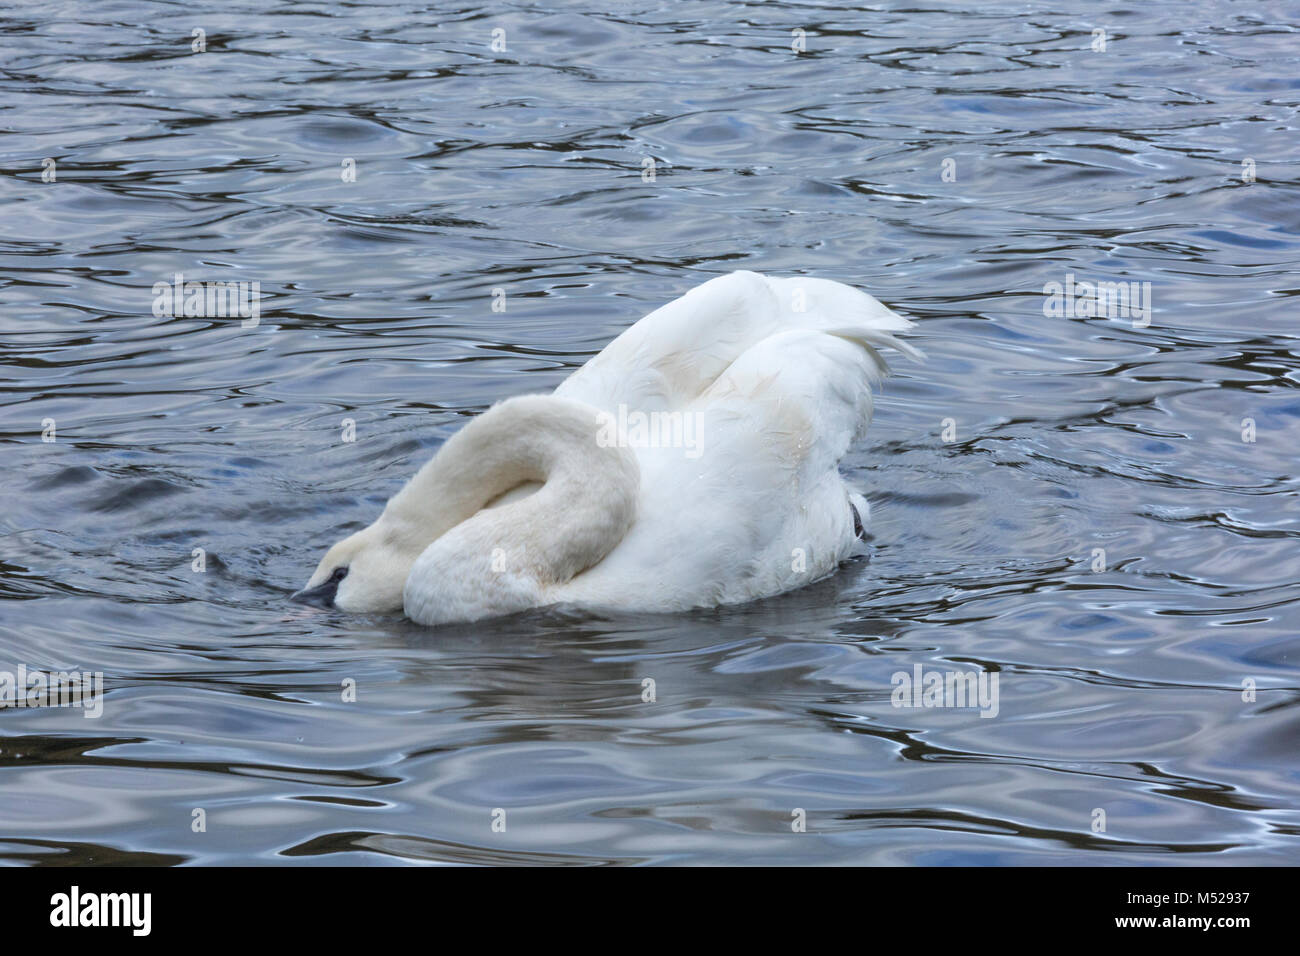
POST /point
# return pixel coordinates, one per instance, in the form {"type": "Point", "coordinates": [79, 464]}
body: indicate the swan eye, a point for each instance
{"type": "Point", "coordinates": [338, 574]}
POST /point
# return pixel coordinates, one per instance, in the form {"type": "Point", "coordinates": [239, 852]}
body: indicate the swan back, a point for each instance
{"type": "Point", "coordinates": [675, 353]}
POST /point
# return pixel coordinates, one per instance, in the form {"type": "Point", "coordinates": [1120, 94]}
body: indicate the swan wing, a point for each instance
{"type": "Point", "coordinates": [672, 356]}
{"type": "Point", "coordinates": [790, 407]}
{"type": "Point", "coordinates": [757, 506]}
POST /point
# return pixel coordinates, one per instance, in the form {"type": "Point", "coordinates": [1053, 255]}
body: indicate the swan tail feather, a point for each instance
{"type": "Point", "coordinates": [677, 352]}
{"type": "Point", "coordinates": [839, 309]}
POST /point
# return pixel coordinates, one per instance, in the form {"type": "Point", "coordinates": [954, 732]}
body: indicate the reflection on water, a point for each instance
{"type": "Point", "coordinates": [1120, 673]}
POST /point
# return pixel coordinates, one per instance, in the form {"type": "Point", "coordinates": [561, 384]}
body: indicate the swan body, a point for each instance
{"type": "Point", "coordinates": [692, 463]}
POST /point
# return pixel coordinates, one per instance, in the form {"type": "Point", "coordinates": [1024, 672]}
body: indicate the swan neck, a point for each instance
{"type": "Point", "coordinates": [491, 559]}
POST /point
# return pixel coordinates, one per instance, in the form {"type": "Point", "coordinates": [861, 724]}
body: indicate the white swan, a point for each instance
{"type": "Point", "coordinates": [692, 463]}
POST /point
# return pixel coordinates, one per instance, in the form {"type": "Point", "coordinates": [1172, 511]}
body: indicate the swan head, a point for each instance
{"type": "Point", "coordinates": [365, 572]}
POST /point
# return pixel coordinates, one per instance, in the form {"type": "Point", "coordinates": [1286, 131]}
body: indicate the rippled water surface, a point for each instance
{"type": "Point", "coordinates": [522, 169]}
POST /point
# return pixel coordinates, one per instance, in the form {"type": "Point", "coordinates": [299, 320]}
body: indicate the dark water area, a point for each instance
{"type": "Point", "coordinates": [996, 470]}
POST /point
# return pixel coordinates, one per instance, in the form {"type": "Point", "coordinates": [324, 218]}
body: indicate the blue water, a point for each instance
{"type": "Point", "coordinates": [1121, 690]}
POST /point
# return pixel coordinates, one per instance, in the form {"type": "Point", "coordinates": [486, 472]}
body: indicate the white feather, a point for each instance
{"type": "Point", "coordinates": [529, 505]}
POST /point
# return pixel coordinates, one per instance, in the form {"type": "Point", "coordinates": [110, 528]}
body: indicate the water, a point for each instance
{"type": "Point", "coordinates": [1120, 689]}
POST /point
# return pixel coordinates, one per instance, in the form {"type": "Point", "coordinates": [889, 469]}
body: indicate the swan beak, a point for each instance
{"type": "Point", "coordinates": [322, 595]}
